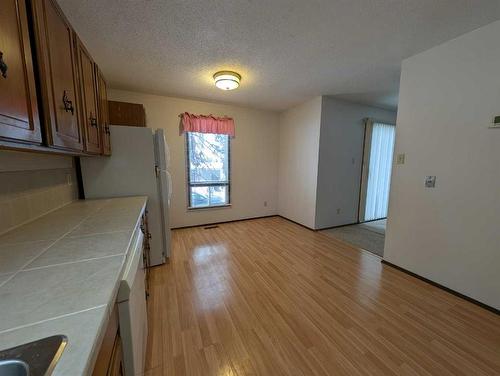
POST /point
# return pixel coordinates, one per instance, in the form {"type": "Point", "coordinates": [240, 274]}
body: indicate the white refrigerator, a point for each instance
{"type": "Point", "coordinates": [138, 166]}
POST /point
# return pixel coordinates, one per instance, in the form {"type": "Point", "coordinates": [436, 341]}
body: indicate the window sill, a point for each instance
{"type": "Point", "coordinates": [209, 207]}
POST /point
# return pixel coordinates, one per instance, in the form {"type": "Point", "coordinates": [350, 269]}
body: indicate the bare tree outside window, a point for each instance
{"type": "Point", "coordinates": [208, 169]}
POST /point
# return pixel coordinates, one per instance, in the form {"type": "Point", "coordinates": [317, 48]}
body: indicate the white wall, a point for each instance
{"type": "Point", "coordinates": [450, 234]}
{"type": "Point", "coordinates": [298, 162]}
{"type": "Point", "coordinates": [254, 156]}
{"type": "Point", "coordinates": [340, 159]}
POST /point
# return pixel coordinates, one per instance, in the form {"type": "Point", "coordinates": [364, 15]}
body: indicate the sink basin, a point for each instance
{"type": "Point", "coordinates": [37, 358]}
{"type": "Point", "coordinates": [13, 368]}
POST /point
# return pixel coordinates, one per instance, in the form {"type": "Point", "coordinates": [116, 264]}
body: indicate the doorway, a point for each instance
{"type": "Point", "coordinates": [369, 233]}
{"type": "Point", "coordinates": [376, 173]}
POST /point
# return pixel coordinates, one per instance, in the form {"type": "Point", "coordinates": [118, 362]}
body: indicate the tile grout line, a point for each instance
{"type": "Point", "coordinates": [52, 319]}
{"type": "Point", "coordinates": [35, 218]}
{"type": "Point", "coordinates": [24, 242]}
{"type": "Point", "coordinates": [50, 245]}
{"type": "Point", "coordinates": [97, 233]}
{"type": "Point", "coordinates": [69, 262]}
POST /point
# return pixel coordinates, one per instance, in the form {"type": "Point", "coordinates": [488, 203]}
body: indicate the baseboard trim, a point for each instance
{"type": "Point", "coordinates": [447, 289]}
{"type": "Point", "coordinates": [220, 223]}
{"type": "Point", "coordinates": [297, 223]}
{"type": "Point", "coordinates": [349, 224]}
{"type": "Point", "coordinates": [246, 219]}
{"type": "Point", "coordinates": [373, 220]}
{"type": "Point", "coordinates": [338, 226]}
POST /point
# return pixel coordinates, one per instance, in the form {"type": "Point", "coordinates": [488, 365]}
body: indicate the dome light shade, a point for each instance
{"type": "Point", "coordinates": [227, 80]}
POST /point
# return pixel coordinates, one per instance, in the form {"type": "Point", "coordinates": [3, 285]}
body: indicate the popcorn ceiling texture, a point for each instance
{"type": "Point", "coordinates": [287, 51]}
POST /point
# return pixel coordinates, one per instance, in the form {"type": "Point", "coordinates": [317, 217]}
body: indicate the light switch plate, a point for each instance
{"type": "Point", "coordinates": [496, 122]}
{"type": "Point", "coordinates": [430, 181]}
{"type": "Point", "coordinates": [400, 159]}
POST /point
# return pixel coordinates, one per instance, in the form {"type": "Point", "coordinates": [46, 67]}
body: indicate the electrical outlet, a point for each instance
{"type": "Point", "coordinates": [400, 159]}
{"type": "Point", "coordinates": [69, 179]}
{"type": "Point", "coordinates": [430, 181]}
{"type": "Point", "coordinates": [338, 211]}
{"type": "Point", "coordinates": [265, 203]}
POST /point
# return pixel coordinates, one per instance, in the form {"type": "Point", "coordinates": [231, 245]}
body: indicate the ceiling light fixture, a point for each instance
{"type": "Point", "coordinates": [227, 80]}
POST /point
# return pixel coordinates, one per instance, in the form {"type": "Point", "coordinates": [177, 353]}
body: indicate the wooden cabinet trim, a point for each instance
{"type": "Point", "coordinates": [103, 112]}
{"type": "Point", "coordinates": [116, 363]}
{"type": "Point", "coordinates": [43, 46]}
{"type": "Point", "coordinates": [35, 148]}
{"type": "Point", "coordinates": [12, 128]}
{"type": "Point", "coordinates": [129, 114]}
{"type": "Point", "coordinates": [90, 131]}
{"type": "Point", "coordinates": [104, 357]}
{"type": "Point", "coordinates": [55, 138]}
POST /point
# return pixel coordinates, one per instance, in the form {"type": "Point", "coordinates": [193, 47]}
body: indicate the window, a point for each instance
{"type": "Point", "coordinates": [207, 170]}
{"type": "Point", "coordinates": [379, 171]}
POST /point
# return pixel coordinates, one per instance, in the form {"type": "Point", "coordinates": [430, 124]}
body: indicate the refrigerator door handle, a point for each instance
{"type": "Point", "coordinates": [169, 180]}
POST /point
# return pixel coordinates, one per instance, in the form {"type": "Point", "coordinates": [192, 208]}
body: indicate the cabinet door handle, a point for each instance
{"type": "Point", "coordinates": [68, 105]}
{"type": "Point", "coordinates": [93, 121]}
{"type": "Point", "coordinates": [3, 66]}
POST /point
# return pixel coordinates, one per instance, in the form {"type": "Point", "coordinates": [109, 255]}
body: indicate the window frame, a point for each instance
{"type": "Point", "coordinates": [189, 185]}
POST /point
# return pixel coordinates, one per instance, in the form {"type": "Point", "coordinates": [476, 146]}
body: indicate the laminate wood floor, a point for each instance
{"type": "Point", "coordinates": [269, 297]}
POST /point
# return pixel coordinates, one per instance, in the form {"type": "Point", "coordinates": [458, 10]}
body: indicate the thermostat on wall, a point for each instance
{"type": "Point", "coordinates": [496, 122]}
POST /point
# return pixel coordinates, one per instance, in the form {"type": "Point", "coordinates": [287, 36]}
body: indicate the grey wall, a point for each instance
{"type": "Point", "coordinates": [298, 161]}
{"type": "Point", "coordinates": [32, 185]}
{"type": "Point", "coordinates": [340, 159]}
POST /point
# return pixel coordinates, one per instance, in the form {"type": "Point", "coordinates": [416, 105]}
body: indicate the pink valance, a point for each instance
{"type": "Point", "coordinates": [207, 124]}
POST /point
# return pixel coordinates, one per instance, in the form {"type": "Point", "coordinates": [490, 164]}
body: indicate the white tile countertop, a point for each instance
{"type": "Point", "coordinates": [60, 275]}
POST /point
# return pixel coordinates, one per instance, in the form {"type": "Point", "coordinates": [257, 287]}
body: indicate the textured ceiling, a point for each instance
{"type": "Point", "coordinates": [287, 51]}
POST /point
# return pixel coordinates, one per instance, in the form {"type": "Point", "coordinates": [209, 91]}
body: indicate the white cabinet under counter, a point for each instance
{"type": "Point", "coordinates": [132, 310]}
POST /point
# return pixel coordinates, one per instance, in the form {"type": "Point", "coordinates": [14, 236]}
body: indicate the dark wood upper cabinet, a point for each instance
{"type": "Point", "coordinates": [57, 67]}
{"type": "Point", "coordinates": [89, 106]}
{"type": "Point", "coordinates": [53, 97]}
{"type": "Point", "coordinates": [123, 113]}
{"type": "Point", "coordinates": [103, 113]}
{"type": "Point", "coordinates": [19, 117]}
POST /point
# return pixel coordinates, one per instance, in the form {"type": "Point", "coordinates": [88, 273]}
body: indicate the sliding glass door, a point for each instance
{"type": "Point", "coordinates": [379, 171]}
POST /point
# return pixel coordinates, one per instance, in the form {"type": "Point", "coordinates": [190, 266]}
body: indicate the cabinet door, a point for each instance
{"type": "Point", "coordinates": [19, 119]}
{"type": "Point", "coordinates": [103, 114]}
{"type": "Point", "coordinates": [105, 354]}
{"type": "Point", "coordinates": [88, 86]}
{"type": "Point", "coordinates": [58, 75]}
{"type": "Point", "coordinates": [116, 364]}
{"type": "Point", "coordinates": [130, 114]}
